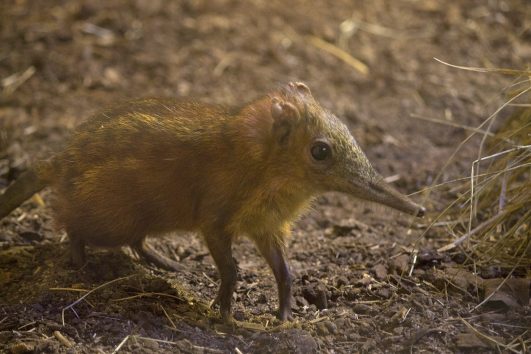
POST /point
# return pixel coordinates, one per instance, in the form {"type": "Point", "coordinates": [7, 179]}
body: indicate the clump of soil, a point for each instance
{"type": "Point", "coordinates": [355, 285]}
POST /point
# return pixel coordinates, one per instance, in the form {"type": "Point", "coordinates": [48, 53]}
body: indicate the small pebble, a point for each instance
{"type": "Point", "coordinates": [321, 329]}
{"type": "Point", "coordinates": [20, 348]}
{"type": "Point", "coordinates": [332, 328]}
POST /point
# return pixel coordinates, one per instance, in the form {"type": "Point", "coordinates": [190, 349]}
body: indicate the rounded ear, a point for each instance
{"type": "Point", "coordinates": [285, 115]}
{"type": "Point", "coordinates": [283, 110]}
{"type": "Point", "coordinates": [300, 87]}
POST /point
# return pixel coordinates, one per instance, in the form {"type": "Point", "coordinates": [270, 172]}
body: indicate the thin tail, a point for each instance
{"type": "Point", "coordinates": [29, 183]}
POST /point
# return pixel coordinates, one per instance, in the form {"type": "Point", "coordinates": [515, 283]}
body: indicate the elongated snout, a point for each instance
{"type": "Point", "coordinates": [387, 195]}
{"type": "Point", "coordinates": [379, 191]}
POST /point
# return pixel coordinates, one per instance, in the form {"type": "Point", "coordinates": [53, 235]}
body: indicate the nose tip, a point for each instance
{"type": "Point", "coordinates": [421, 212]}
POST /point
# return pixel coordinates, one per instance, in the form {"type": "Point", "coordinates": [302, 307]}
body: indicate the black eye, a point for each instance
{"type": "Point", "coordinates": [321, 151]}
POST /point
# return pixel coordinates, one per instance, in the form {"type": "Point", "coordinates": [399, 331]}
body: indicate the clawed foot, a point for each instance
{"type": "Point", "coordinates": [285, 315]}
{"type": "Point", "coordinates": [225, 314]}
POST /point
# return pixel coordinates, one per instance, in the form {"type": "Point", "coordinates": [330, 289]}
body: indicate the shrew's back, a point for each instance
{"type": "Point", "coordinates": [136, 169]}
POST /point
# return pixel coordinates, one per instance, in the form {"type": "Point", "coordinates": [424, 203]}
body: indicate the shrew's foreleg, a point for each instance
{"type": "Point", "coordinates": [220, 246]}
{"type": "Point", "coordinates": [274, 251]}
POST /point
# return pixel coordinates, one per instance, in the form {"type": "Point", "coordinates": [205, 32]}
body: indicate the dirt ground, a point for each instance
{"type": "Point", "coordinates": [60, 61]}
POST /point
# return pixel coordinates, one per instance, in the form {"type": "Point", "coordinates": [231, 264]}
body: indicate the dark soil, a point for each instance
{"type": "Point", "coordinates": [351, 261]}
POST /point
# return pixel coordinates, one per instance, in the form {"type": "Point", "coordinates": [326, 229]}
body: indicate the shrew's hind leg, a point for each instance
{"type": "Point", "coordinates": [152, 256]}
{"type": "Point", "coordinates": [77, 250]}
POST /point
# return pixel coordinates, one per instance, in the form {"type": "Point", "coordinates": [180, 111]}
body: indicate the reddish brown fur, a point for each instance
{"type": "Point", "coordinates": [153, 166]}
{"type": "Point", "coordinates": [150, 168]}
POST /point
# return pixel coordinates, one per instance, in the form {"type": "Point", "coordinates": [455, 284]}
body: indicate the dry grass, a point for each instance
{"type": "Point", "coordinates": [490, 218]}
{"type": "Point", "coordinates": [500, 202]}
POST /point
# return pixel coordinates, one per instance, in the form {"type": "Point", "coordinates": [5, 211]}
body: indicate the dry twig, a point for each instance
{"type": "Point", "coordinates": [71, 306]}
{"type": "Point", "coordinates": [339, 53]}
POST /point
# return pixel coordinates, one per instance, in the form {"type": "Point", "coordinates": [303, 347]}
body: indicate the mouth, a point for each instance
{"type": "Point", "coordinates": [381, 192]}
